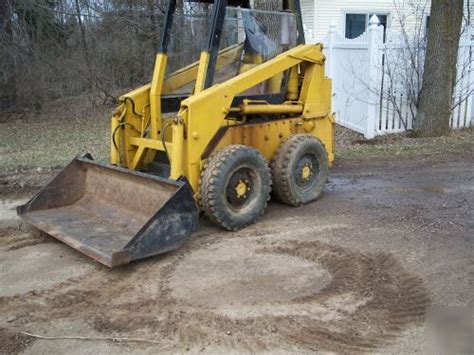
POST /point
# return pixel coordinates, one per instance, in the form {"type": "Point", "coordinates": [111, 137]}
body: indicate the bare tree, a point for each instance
{"type": "Point", "coordinates": [55, 48]}
{"type": "Point", "coordinates": [439, 75]}
{"type": "Point", "coordinates": [7, 65]}
{"type": "Point", "coordinates": [404, 50]}
{"type": "Point", "coordinates": [403, 67]}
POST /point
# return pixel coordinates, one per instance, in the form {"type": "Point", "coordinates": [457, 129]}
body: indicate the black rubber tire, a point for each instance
{"type": "Point", "coordinates": [216, 177]}
{"type": "Point", "coordinates": [285, 167]}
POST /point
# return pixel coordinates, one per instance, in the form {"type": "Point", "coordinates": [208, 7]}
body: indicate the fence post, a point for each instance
{"type": "Point", "coordinates": [375, 42]}
{"type": "Point", "coordinates": [330, 49]}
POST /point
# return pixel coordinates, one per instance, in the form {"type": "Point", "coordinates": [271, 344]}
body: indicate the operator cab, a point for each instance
{"type": "Point", "coordinates": [221, 40]}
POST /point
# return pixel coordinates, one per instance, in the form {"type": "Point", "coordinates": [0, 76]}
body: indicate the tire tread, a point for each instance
{"type": "Point", "coordinates": [209, 192]}
{"type": "Point", "coordinates": [281, 169]}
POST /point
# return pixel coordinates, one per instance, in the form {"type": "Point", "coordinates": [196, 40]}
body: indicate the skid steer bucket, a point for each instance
{"type": "Point", "coordinates": [112, 214]}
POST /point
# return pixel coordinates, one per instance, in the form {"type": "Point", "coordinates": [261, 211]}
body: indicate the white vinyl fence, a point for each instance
{"type": "Point", "coordinates": [374, 83]}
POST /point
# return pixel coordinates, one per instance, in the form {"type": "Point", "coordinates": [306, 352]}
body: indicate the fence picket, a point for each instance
{"type": "Point", "coordinates": [358, 68]}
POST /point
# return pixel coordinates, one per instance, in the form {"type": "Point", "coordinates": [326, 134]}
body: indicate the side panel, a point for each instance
{"type": "Point", "coordinates": [267, 137]}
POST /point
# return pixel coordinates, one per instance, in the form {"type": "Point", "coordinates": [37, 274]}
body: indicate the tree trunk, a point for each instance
{"type": "Point", "coordinates": [85, 49]}
{"type": "Point", "coordinates": [7, 63]}
{"type": "Point", "coordinates": [439, 75]}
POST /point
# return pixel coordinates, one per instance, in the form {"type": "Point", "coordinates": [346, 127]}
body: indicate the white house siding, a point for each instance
{"type": "Point", "coordinates": [307, 13]}
{"type": "Point", "coordinates": [318, 14]}
{"type": "Point", "coordinates": [328, 11]}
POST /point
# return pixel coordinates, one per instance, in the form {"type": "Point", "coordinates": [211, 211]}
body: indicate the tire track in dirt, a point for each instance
{"type": "Point", "coordinates": [14, 238]}
{"type": "Point", "coordinates": [12, 342]}
{"type": "Point", "coordinates": [397, 299]}
{"type": "Point", "coordinates": [138, 301]}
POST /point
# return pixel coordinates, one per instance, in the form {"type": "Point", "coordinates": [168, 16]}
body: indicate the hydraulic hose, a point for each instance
{"type": "Point", "coordinates": [163, 131]}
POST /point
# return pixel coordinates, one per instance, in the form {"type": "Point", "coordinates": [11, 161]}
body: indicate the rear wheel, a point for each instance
{"type": "Point", "coordinates": [235, 187]}
{"type": "Point", "coordinates": [300, 170]}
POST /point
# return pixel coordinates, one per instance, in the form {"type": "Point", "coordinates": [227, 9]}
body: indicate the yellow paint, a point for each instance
{"type": "Point", "coordinates": [138, 157]}
{"type": "Point", "coordinates": [267, 137]}
{"type": "Point", "coordinates": [292, 89]}
{"type": "Point", "coordinates": [114, 153]}
{"type": "Point", "coordinates": [201, 73]}
{"type": "Point", "coordinates": [150, 143]}
{"type": "Point", "coordinates": [247, 108]}
{"type": "Point", "coordinates": [306, 172]}
{"type": "Point", "coordinates": [241, 189]}
{"type": "Point", "coordinates": [176, 157]}
{"type": "Point", "coordinates": [155, 94]}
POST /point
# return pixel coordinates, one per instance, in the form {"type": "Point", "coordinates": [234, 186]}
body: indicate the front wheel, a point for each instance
{"type": "Point", "coordinates": [235, 187]}
{"type": "Point", "coordinates": [300, 170]}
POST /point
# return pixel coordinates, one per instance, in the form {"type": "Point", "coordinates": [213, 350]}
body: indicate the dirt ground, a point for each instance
{"type": "Point", "coordinates": [359, 270]}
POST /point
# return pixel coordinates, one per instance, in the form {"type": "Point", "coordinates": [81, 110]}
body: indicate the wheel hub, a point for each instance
{"type": "Point", "coordinates": [240, 187]}
{"type": "Point", "coordinates": [306, 172]}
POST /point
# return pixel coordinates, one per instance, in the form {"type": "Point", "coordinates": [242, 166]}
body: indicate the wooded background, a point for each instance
{"type": "Point", "coordinates": [55, 48]}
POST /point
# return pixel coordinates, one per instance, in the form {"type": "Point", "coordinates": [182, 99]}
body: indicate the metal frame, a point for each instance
{"type": "Point", "coordinates": [209, 56]}
{"type": "Point", "coordinates": [165, 34]}
{"type": "Point", "coordinates": [214, 39]}
{"type": "Point", "coordinates": [172, 103]}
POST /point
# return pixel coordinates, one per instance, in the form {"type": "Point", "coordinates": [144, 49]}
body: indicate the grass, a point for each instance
{"type": "Point", "coordinates": [75, 126]}
{"type": "Point", "coordinates": [401, 146]}
{"type": "Point", "coordinates": [55, 136]}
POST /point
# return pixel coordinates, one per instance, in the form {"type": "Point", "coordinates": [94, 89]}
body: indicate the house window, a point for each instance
{"type": "Point", "coordinates": [356, 24]}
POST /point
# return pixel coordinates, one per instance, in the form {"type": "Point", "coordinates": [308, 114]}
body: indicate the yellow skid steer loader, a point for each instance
{"type": "Point", "coordinates": [238, 107]}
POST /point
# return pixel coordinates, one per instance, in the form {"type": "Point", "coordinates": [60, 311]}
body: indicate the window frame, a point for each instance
{"type": "Point", "coordinates": [367, 14]}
